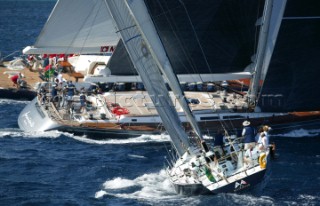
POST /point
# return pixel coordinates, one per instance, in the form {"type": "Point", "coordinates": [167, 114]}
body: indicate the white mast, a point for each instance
{"type": "Point", "coordinates": [272, 17]}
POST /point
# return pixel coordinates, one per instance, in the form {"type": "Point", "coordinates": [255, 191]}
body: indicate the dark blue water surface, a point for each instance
{"type": "Point", "coordinates": [54, 168]}
{"type": "Point", "coordinates": [21, 23]}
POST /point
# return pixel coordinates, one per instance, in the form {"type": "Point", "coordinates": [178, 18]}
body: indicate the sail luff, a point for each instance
{"type": "Point", "coordinates": [149, 33]}
{"type": "Point", "coordinates": [149, 72]}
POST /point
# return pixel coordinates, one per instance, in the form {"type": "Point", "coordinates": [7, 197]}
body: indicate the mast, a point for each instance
{"type": "Point", "coordinates": [263, 37]}
{"type": "Point", "coordinates": [272, 17]}
{"type": "Point", "coordinates": [144, 62]}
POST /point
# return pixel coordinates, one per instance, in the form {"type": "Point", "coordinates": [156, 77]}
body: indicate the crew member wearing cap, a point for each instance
{"type": "Point", "coordinates": [248, 133]}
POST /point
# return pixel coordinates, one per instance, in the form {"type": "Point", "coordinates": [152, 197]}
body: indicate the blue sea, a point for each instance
{"type": "Point", "coordinates": [55, 168]}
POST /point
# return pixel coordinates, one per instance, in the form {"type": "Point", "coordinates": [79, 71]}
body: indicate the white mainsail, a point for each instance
{"type": "Point", "coordinates": [139, 51]}
{"type": "Point", "coordinates": [76, 26]}
{"type": "Point", "coordinates": [270, 26]}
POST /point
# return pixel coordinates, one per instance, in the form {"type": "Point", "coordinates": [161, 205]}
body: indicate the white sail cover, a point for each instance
{"type": "Point", "coordinates": [149, 72]}
{"type": "Point", "coordinates": [76, 26]}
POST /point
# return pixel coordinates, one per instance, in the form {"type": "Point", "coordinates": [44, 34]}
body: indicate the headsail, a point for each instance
{"type": "Point", "coordinates": [144, 62]}
{"type": "Point", "coordinates": [76, 26]}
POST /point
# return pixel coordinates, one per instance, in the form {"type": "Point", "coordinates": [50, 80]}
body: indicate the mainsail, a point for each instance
{"type": "Point", "coordinates": [144, 61]}
{"type": "Point", "coordinates": [76, 26]}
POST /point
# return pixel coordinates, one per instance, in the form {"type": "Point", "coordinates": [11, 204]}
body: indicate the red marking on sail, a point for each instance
{"type": "Point", "coordinates": [107, 49]}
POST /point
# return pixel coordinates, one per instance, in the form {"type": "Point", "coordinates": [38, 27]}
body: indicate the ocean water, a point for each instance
{"type": "Point", "coordinates": [21, 23]}
{"type": "Point", "coordinates": [55, 168]}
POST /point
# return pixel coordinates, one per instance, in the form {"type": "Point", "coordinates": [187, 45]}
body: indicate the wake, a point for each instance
{"type": "Point", "coordinates": [300, 133]}
{"type": "Point", "coordinates": [152, 188]}
{"type": "Point", "coordinates": [130, 140]}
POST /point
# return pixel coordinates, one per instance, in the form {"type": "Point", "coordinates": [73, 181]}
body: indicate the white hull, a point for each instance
{"type": "Point", "coordinates": [194, 174]}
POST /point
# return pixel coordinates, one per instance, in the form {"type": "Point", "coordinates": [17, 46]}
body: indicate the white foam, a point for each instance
{"type": "Point", "coordinates": [136, 156]}
{"type": "Point", "coordinates": [13, 102]}
{"type": "Point", "coordinates": [18, 133]}
{"type": "Point", "coordinates": [301, 133]}
{"type": "Point", "coordinates": [308, 197]}
{"type": "Point", "coordinates": [131, 140]}
{"type": "Point", "coordinates": [152, 187]}
{"type": "Point", "coordinates": [100, 194]}
{"type": "Point", "coordinates": [243, 199]}
{"type": "Point", "coordinates": [118, 183]}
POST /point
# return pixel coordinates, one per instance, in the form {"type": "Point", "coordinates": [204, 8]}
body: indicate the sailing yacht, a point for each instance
{"type": "Point", "coordinates": [198, 168]}
{"type": "Point", "coordinates": [94, 33]}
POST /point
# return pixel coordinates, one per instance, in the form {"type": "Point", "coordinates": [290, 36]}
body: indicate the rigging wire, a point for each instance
{"type": "Point", "coordinates": [173, 26]}
{"type": "Point", "coordinates": [256, 39]}
{"type": "Point", "coordinates": [195, 33]}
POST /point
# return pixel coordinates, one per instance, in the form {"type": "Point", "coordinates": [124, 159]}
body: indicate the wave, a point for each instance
{"type": "Point", "coordinates": [13, 102]}
{"type": "Point", "coordinates": [132, 140]}
{"type": "Point", "coordinates": [155, 188]}
{"type": "Point", "coordinates": [18, 133]}
{"type": "Point", "coordinates": [299, 133]}
{"type": "Point", "coordinates": [152, 188]}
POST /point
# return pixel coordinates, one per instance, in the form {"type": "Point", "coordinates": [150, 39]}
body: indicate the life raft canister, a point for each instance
{"type": "Point", "coordinates": [120, 111]}
{"type": "Point", "coordinates": [263, 161]}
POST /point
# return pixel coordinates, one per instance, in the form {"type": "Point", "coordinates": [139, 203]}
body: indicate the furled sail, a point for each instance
{"type": "Point", "coordinates": [144, 62]}
{"type": "Point", "coordinates": [76, 26]}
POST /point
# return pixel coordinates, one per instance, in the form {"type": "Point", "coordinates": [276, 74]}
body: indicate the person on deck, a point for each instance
{"type": "Point", "coordinates": [54, 92]}
{"type": "Point", "coordinates": [15, 79]}
{"type": "Point", "coordinates": [42, 94]}
{"type": "Point", "coordinates": [82, 100]}
{"type": "Point", "coordinates": [70, 93]}
{"type": "Point", "coordinates": [264, 138]}
{"type": "Point", "coordinates": [248, 133]}
{"type": "Point", "coordinates": [247, 159]}
{"type": "Point", "coordinates": [266, 130]}
{"type": "Point", "coordinates": [263, 143]}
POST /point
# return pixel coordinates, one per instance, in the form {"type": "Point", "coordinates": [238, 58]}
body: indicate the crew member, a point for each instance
{"type": "Point", "coordinates": [248, 133]}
